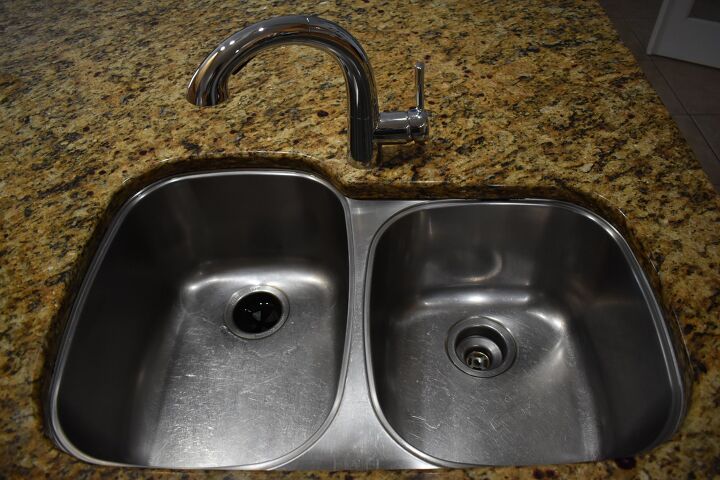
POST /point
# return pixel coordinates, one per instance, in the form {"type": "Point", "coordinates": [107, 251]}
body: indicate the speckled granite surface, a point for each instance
{"type": "Point", "coordinates": [528, 100]}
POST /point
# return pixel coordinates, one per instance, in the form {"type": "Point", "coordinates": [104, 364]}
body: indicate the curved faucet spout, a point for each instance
{"type": "Point", "coordinates": [208, 85]}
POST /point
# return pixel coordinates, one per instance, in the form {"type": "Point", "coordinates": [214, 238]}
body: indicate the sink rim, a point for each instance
{"type": "Point", "coordinates": [673, 348]}
{"type": "Point", "coordinates": [365, 225]}
{"type": "Point", "coordinates": [53, 426]}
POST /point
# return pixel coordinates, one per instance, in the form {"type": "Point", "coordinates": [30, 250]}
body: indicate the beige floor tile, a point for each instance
{"type": "Point", "coordinates": [631, 8]}
{"type": "Point", "coordinates": [703, 152]}
{"type": "Point", "coordinates": [709, 125]}
{"type": "Point", "coordinates": [661, 86]}
{"type": "Point", "coordinates": [696, 86]}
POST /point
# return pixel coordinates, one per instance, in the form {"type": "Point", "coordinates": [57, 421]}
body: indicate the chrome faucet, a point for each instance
{"type": "Point", "coordinates": [367, 125]}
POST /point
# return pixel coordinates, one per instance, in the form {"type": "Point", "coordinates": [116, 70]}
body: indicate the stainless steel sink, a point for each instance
{"type": "Point", "coordinates": [259, 319]}
{"type": "Point", "coordinates": [157, 372]}
{"type": "Point", "coordinates": [516, 333]}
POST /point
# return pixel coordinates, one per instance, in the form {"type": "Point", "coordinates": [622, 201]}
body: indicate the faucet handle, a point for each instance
{"type": "Point", "coordinates": [410, 125]}
{"type": "Point", "coordinates": [418, 117]}
{"type": "Point", "coordinates": [419, 85]}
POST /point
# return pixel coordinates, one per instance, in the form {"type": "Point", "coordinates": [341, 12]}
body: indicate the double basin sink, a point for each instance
{"type": "Point", "coordinates": [259, 319]}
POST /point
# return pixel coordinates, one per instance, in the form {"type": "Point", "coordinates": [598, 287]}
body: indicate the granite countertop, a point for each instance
{"type": "Point", "coordinates": [528, 99]}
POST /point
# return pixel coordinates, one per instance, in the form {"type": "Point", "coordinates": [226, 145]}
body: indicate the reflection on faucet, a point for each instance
{"type": "Point", "coordinates": [367, 126]}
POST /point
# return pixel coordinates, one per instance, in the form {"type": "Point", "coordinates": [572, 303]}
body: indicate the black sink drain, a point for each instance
{"type": "Point", "coordinates": [256, 312]}
{"type": "Point", "coordinates": [481, 347]}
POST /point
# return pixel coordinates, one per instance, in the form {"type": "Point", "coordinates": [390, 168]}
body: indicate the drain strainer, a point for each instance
{"type": "Point", "coordinates": [256, 312]}
{"type": "Point", "coordinates": [481, 347]}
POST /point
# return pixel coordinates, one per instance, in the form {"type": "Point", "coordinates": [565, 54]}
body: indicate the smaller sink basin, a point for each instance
{"type": "Point", "coordinates": [507, 333]}
{"type": "Point", "coordinates": [211, 327]}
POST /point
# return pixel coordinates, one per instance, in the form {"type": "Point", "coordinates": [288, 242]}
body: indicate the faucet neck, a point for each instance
{"type": "Point", "coordinates": [366, 126]}
{"type": "Point", "coordinates": [209, 84]}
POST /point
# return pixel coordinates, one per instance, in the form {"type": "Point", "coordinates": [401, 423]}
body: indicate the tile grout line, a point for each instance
{"type": "Point", "coordinates": [645, 55]}
{"type": "Point", "coordinates": [651, 58]}
{"type": "Point", "coordinates": [707, 142]}
{"type": "Point", "coordinates": [677, 96]}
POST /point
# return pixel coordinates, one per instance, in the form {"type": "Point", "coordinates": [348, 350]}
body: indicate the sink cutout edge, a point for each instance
{"type": "Point", "coordinates": [673, 353]}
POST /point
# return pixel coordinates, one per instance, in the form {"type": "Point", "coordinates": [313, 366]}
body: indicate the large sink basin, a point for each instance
{"type": "Point", "coordinates": [155, 373]}
{"type": "Point", "coordinates": [516, 333]}
{"type": "Point", "coordinates": [259, 319]}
